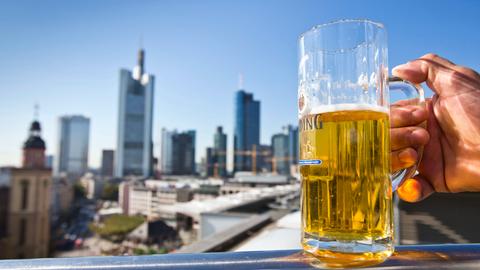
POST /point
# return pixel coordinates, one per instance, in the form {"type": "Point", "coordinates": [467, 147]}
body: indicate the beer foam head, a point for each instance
{"type": "Point", "coordinates": [343, 107]}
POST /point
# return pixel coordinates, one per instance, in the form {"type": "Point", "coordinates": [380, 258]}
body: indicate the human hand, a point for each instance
{"type": "Point", "coordinates": [451, 159]}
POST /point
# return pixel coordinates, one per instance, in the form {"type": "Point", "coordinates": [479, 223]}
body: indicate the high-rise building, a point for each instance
{"type": "Point", "coordinates": [135, 117]}
{"type": "Point", "coordinates": [292, 145]}
{"type": "Point", "coordinates": [216, 159]}
{"type": "Point", "coordinates": [25, 202]}
{"type": "Point", "coordinates": [107, 163]}
{"type": "Point", "coordinates": [210, 162]}
{"type": "Point", "coordinates": [183, 153]}
{"type": "Point", "coordinates": [166, 151]}
{"type": "Point", "coordinates": [247, 130]}
{"type": "Point", "coordinates": [220, 152]}
{"type": "Point", "coordinates": [280, 154]}
{"type": "Point", "coordinates": [263, 158]}
{"type": "Point", "coordinates": [72, 150]}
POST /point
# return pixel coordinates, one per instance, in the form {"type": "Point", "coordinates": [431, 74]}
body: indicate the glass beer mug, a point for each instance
{"type": "Point", "coordinates": [343, 108]}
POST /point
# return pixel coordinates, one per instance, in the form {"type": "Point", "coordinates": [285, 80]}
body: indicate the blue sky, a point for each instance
{"type": "Point", "coordinates": [66, 56]}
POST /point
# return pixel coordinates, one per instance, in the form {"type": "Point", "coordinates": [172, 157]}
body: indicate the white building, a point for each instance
{"type": "Point", "coordinates": [149, 196]}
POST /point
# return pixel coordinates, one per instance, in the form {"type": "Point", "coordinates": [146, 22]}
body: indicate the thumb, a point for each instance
{"type": "Point", "coordinates": [430, 68]}
{"type": "Point", "coordinates": [415, 189]}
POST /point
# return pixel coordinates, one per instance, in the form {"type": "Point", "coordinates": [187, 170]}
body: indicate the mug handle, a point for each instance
{"type": "Point", "coordinates": [415, 96]}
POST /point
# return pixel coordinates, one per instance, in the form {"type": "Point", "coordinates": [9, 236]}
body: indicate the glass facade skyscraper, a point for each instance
{"type": "Point", "coordinates": [72, 148]}
{"type": "Point", "coordinates": [210, 161]}
{"type": "Point", "coordinates": [178, 152]}
{"type": "Point", "coordinates": [246, 131]}
{"type": "Point", "coordinates": [292, 144]}
{"type": "Point", "coordinates": [280, 154]}
{"type": "Point", "coordinates": [285, 150]}
{"type": "Point", "coordinates": [183, 153]}
{"type": "Point", "coordinates": [220, 152]}
{"type": "Point", "coordinates": [107, 162]}
{"type": "Point", "coordinates": [134, 153]}
{"type": "Point", "coordinates": [166, 151]}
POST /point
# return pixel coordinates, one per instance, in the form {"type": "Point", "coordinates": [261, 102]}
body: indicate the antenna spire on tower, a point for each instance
{"type": "Point", "coordinates": [240, 81]}
{"type": "Point", "coordinates": [141, 61]}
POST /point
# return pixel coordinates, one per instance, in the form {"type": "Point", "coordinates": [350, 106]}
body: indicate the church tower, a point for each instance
{"type": "Point", "coordinates": [34, 148]}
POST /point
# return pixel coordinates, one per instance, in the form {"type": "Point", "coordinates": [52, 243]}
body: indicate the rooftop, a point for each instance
{"type": "Point", "coordinates": [222, 203]}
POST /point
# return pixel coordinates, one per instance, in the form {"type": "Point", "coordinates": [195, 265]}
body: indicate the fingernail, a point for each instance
{"type": "Point", "coordinates": [419, 136]}
{"type": "Point", "coordinates": [411, 190]}
{"type": "Point", "coordinates": [395, 69]}
{"type": "Point", "coordinates": [406, 187]}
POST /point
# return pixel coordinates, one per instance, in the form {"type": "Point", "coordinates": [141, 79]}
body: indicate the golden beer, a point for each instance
{"type": "Point", "coordinates": [346, 188]}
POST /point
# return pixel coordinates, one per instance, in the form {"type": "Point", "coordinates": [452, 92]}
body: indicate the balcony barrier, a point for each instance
{"type": "Point", "coordinates": [406, 257]}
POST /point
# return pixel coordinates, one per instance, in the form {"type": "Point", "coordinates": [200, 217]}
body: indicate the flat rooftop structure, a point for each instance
{"type": "Point", "coordinates": [405, 257]}
{"type": "Point", "coordinates": [223, 203]}
{"type": "Point", "coordinates": [286, 228]}
{"type": "Point", "coordinates": [262, 178]}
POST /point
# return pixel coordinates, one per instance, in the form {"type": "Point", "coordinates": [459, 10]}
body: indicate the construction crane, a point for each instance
{"type": "Point", "coordinates": [254, 153]}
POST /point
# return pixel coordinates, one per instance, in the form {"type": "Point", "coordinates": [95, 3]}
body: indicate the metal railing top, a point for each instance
{"type": "Point", "coordinates": [406, 257]}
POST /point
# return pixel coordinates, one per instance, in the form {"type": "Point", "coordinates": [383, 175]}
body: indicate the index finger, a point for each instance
{"type": "Point", "coordinates": [410, 115]}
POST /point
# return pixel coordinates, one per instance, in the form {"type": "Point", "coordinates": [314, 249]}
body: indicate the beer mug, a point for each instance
{"type": "Point", "coordinates": [343, 107]}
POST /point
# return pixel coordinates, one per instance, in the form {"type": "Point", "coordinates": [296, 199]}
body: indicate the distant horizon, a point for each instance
{"type": "Point", "coordinates": [66, 57]}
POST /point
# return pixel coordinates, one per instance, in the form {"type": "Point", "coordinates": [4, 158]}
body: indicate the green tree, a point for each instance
{"type": "Point", "coordinates": [110, 192]}
{"type": "Point", "coordinates": [79, 191]}
{"type": "Point", "coordinates": [116, 227]}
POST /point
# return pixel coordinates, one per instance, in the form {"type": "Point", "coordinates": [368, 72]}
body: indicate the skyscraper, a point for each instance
{"type": "Point", "coordinates": [292, 144]}
{"type": "Point", "coordinates": [220, 153]}
{"type": "Point", "coordinates": [247, 130]}
{"type": "Point", "coordinates": [107, 162]}
{"type": "Point", "coordinates": [135, 117]}
{"type": "Point", "coordinates": [280, 154]}
{"type": "Point", "coordinates": [285, 151]}
{"type": "Point", "coordinates": [263, 158]}
{"type": "Point", "coordinates": [72, 150]}
{"type": "Point", "coordinates": [166, 151]}
{"type": "Point", "coordinates": [210, 162]}
{"type": "Point", "coordinates": [183, 153]}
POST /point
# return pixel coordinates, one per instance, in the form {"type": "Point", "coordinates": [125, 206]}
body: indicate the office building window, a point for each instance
{"type": "Point", "coordinates": [24, 194]}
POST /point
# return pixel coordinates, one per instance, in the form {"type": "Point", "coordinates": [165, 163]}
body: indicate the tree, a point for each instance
{"type": "Point", "coordinates": [116, 227]}
{"type": "Point", "coordinates": [79, 191]}
{"type": "Point", "coordinates": [110, 192]}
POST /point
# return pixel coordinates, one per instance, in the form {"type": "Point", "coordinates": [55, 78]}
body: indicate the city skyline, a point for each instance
{"type": "Point", "coordinates": [72, 67]}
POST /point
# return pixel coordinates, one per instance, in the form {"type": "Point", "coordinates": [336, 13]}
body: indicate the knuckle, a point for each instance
{"type": "Point", "coordinates": [456, 77]}
{"type": "Point", "coordinates": [467, 71]}
{"type": "Point", "coordinates": [430, 56]}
